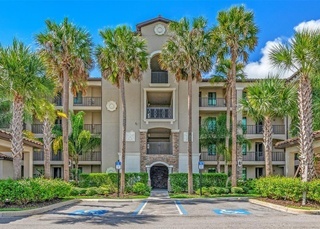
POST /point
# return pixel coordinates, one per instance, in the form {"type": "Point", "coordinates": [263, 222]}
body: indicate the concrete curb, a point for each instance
{"type": "Point", "coordinates": [38, 210]}
{"type": "Point", "coordinates": [284, 209]}
{"type": "Point", "coordinates": [112, 200]}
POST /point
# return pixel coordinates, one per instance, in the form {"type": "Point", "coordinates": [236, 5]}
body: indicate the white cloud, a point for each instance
{"type": "Point", "coordinates": [312, 25]}
{"type": "Point", "coordinates": [263, 67]}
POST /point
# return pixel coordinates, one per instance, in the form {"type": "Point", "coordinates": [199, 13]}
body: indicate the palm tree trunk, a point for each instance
{"type": "Point", "coordinates": [47, 140]}
{"type": "Point", "coordinates": [76, 165]}
{"type": "Point", "coordinates": [17, 137]}
{"type": "Point", "coordinates": [65, 124]}
{"type": "Point", "coordinates": [124, 128]}
{"type": "Point", "coordinates": [305, 134]}
{"type": "Point", "coordinates": [226, 169]}
{"type": "Point", "coordinates": [267, 141]}
{"type": "Point", "coordinates": [234, 120]}
{"type": "Point", "coordinates": [190, 178]}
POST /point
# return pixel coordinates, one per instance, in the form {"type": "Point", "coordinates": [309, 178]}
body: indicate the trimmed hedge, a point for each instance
{"type": "Point", "coordinates": [111, 179]}
{"type": "Point", "coordinates": [179, 181]}
{"type": "Point", "coordinates": [287, 188]}
{"type": "Point", "coordinates": [21, 192]}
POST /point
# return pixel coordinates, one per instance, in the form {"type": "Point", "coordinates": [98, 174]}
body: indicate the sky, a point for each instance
{"type": "Point", "coordinates": [277, 19]}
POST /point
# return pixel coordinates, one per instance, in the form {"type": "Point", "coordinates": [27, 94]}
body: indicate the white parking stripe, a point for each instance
{"type": "Point", "coordinates": [145, 204]}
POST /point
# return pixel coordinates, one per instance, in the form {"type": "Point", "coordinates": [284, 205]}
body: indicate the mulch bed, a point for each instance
{"type": "Point", "coordinates": [31, 205]}
{"type": "Point", "coordinates": [289, 203]}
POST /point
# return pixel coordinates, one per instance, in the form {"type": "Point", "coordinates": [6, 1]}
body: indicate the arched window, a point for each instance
{"type": "Point", "coordinates": [158, 75]}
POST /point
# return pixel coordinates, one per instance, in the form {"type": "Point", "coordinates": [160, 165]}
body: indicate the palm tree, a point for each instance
{"type": "Point", "coordinates": [235, 36]}
{"type": "Point", "coordinates": [301, 55]}
{"type": "Point", "coordinates": [80, 141]}
{"type": "Point", "coordinates": [122, 58]}
{"type": "Point", "coordinates": [186, 54]}
{"type": "Point", "coordinates": [67, 53]}
{"type": "Point", "coordinates": [266, 99]}
{"type": "Point", "coordinates": [21, 73]}
{"type": "Point", "coordinates": [223, 71]}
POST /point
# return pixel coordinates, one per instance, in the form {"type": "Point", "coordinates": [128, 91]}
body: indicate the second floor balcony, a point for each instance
{"type": "Point", "coordinates": [258, 129]}
{"type": "Point", "coordinates": [159, 148]}
{"type": "Point", "coordinates": [159, 77]}
{"type": "Point", "coordinates": [87, 101]}
{"type": "Point", "coordinates": [93, 128]}
{"type": "Point", "coordinates": [89, 156]}
{"type": "Point", "coordinates": [212, 102]}
{"type": "Point", "coordinates": [248, 156]}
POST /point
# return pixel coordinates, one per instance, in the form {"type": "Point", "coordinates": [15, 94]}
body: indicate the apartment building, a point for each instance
{"type": "Point", "coordinates": [157, 122]}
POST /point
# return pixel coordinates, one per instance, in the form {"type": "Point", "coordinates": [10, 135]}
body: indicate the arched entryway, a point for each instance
{"type": "Point", "coordinates": [159, 175]}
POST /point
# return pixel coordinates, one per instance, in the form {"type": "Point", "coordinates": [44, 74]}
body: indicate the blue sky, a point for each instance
{"type": "Point", "coordinates": [276, 19]}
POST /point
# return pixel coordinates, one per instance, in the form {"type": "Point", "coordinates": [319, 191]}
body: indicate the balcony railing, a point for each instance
{"type": "Point", "coordinates": [93, 128]}
{"type": "Point", "coordinates": [87, 101]}
{"type": "Point", "coordinates": [212, 102]}
{"type": "Point", "coordinates": [39, 156]}
{"type": "Point", "coordinates": [91, 156]}
{"type": "Point", "coordinates": [57, 101]}
{"type": "Point", "coordinates": [258, 129]}
{"type": "Point", "coordinates": [249, 156]}
{"type": "Point", "coordinates": [37, 128]}
{"type": "Point", "coordinates": [159, 148]}
{"type": "Point", "coordinates": [159, 77]}
{"type": "Point", "coordinates": [159, 113]}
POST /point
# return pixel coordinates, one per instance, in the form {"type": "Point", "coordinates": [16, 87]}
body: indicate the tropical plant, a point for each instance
{"type": "Point", "coordinates": [122, 58]}
{"type": "Point", "coordinates": [21, 73]}
{"type": "Point", "coordinates": [223, 73]}
{"type": "Point", "coordinates": [234, 36]}
{"type": "Point", "coordinates": [213, 133]}
{"type": "Point", "coordinates": [186, 54]}
{"type": "Point", "coordinates": [67, 53]}
{"type": "Point", "coordinates": [5, 113]}
{"type": "Point", "coordinates": [80, 141]}
{"type": "Point", "coordinates": [301, 55]}
{"type": "Point", "coordinates": [267, 99]}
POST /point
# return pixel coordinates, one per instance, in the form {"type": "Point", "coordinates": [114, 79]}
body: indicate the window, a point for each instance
{"type": "Point", "coordinates": [244, 173]}
{"type": "Point", "coordinates": [212, 149]}
{"type": "Point", "coordinates": [212, 99]}
{"type": "Point", "coordinates": [244, 124]}
{"type": "Point", "coordinates": [78, 98]}
{"type": "Point", "coordinates": [212, 170]}
{"type": "Point", "coordinates": [244, 149]}
{"type": "Point", "coordinates": [212, 123]}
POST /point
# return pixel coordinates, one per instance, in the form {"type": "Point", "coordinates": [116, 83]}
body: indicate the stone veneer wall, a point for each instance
{"type": "Point", "coordinates": [146, 159]}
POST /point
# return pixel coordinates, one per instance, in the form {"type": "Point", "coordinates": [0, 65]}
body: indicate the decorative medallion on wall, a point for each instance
{"type": "Point", "coordinates": [111, 106]}
{"type": "Point", "coordinates": [131, 136]}
{"type": "Point", "coordinates": [159, 29]}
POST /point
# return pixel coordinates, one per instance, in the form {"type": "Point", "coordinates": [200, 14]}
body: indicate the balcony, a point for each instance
{"type": "Point", "coordinates": [93, 128]}
{"type": "Point", "coordinates": [211, 102]}
{"type": "Point", "coordinates": [57, 101]}
{"type": "Point", "coordinates": [37, 128]}
{"type": "Point", "coordinates": [87, 101]}
{"type": "Point", "coordinates": [258, 129]}
{"type": "Point", "coordinates": [159, 77]}
{"type": "Point", "coordinates": [159, 148]}
{"type": "Point", "coordinates": [249, 156]}
{"type": "Point", "coordinates": [39, 156]}
{"type": "Point", "coordinates": [159, 113]}
{"type": "Point", "coordinates": [91, 156]}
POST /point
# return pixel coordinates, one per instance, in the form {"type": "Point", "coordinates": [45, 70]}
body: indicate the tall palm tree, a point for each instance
{"type": "Point", "coordinates": [80, 141]}
{"type": "Point", "coordinates": [235, 36]}
{"type": "Point", "coordinates": [186, 54]}
{"type": "Point", "coordinates": [301, 55]}
{"type": "Point", "coordinates": [122, 58]}
{"type": "Point", "coordinates": [223, 71]}
{"type": "Point", "coordinates": [21, 73]}
{"type": "Point", "coordinates": [266, 99]}
{"type": "Point", "coordinates": [67, 53]}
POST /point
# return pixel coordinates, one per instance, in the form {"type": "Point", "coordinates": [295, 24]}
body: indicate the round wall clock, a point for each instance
{"type": "Point", "coordinates": [159, 29]}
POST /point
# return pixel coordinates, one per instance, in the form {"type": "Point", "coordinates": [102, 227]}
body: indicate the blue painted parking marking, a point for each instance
{"type": "Point", "coordinates": [231, 211]}
{"type": "Point", "coordinates": [89, 212]}
{"type": "Point", "coordinates": [140, 208]}
{"type": "Point", "coordinates": [181, 209]}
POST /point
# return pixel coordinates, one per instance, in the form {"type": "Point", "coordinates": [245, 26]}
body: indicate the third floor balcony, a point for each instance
{"type": "Point", "coordinates": [212, 102]}
{"type": "Point", "coordinates": [258, 129]}
{"type": "Point", "coordinates": [87, 101]}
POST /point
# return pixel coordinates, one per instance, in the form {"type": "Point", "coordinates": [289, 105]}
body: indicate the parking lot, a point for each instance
{"type": "Point", "coordinates": [164, 213]}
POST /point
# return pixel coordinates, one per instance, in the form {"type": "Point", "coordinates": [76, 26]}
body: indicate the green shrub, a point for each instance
{"type": "Point", "coordinates": [218, 190]}
{"type": "Point", "coordinates": [141, 189]}
{"type": "Point", "coordinates": [32, 190]}
{"type": "Point", "coordinates": [236, 190]}
{"type": "Point", "coordinates": [314, 190]}
{"type": "Point", "coordinates": [92, 191]}
{"type": "Point", "coordinates": [179, 181]}
{"type": "Point", "coordinates": [205, 191]}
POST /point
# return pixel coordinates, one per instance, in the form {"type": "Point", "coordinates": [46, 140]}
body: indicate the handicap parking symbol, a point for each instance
{"type": "Point", "coordinates": [231, 211]}
{"type": "Point", "coordinates": [89, 212]}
